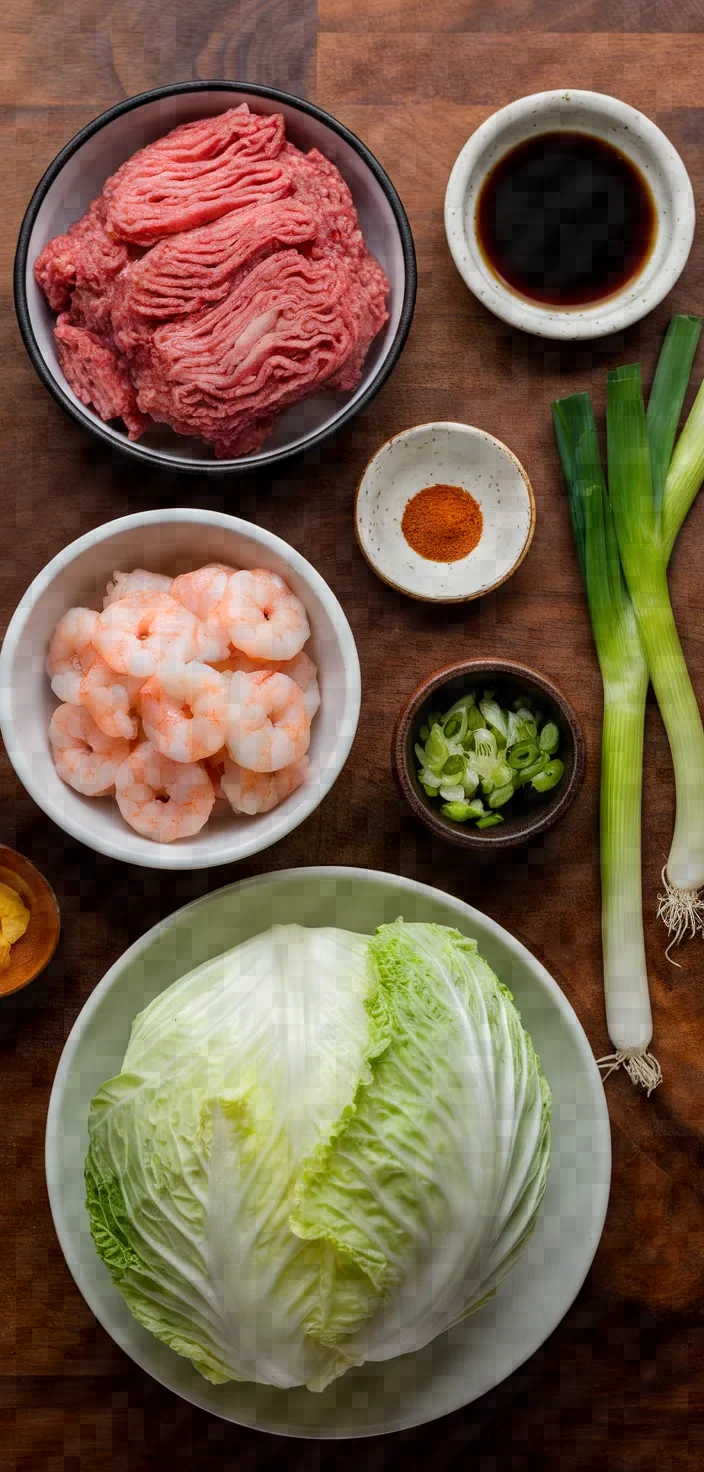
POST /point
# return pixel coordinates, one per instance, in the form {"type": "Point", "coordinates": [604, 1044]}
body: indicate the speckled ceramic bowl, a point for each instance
{"type": "Point", "coordinates": [635, 136]}
{"type": "Point", "coordinates": [445, 454]}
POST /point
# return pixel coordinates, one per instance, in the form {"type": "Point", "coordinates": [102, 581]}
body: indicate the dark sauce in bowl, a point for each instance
{"type": "Point", "coordinates": [565, 219]}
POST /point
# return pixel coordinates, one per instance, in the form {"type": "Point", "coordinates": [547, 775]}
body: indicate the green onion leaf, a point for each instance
{"type": "Point", "coordinates": [667, 397]}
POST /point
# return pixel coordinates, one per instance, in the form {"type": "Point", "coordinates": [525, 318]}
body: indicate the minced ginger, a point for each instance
{"type": "Point", "coordinates": [14, 919]}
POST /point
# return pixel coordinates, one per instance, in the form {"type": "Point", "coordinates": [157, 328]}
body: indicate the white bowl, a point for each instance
{"type": "Point", "coordinates": [445, 454]}
{"type": "Point", "coordinates": [170, 541]}
{"type": "Point", "coordinates": [77, 175]}
{"type": "Point", "coordinates": [470, 1359]}
{"type": "Point", "coordinates": [635, 136]}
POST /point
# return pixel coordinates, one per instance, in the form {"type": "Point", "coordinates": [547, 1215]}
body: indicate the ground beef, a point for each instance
{"type": "Point", "coordinates": [220, 277]}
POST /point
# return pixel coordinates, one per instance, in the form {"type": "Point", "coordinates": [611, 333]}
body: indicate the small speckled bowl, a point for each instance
{"type": "Point", "coordinates": [635, 136]}
{"type": "Point", "coordinates": [33, 951]}
{"type": "Point", "coordinates": [445, 454]}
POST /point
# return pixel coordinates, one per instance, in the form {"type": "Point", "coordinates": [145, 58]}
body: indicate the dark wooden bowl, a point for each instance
{"type": "Point", "coordinates": [34, 950]}
{"type": "Point", "coordinates": [529, 814]}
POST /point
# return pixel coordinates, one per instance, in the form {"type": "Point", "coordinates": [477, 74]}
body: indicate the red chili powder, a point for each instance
{"type": "Point", "coordinates": [442, 523]}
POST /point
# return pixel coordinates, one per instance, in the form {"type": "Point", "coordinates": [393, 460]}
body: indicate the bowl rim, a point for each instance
{"type": "Point", "coordinates": [471, 430]}
{"type": "Point", "coordinates": [492, 838]}
{"type": "Point", "coordinates": [168, 856]}
{"type": "Point", "coordinates": [159, 458]}
{"type": "Point", "coordinates": [466, 913]}
{"type": "Point", "coordinates": [593, 319]}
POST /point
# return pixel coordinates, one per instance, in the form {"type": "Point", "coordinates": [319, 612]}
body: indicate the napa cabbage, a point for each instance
{"type": "Point", "coordinates": [323, 1148]}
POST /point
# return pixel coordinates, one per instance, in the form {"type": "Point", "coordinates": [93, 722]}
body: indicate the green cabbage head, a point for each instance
{"type": "Point", "coordinates": [323, 1148]}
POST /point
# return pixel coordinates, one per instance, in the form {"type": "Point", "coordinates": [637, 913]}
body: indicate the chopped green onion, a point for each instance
{"type": "Point", "coordinates": [549, 738]}
{"type": "Point", "coordinates": [490, 821]}
{"type": "Point", "coordinates": [549, 777]}
{"type": "Point", "coordinates": [494, 716]}
{"type": "Point", "coordinates": [526, 775]}
{"type": "Point", "coordinates": [470, 780]}
{"type": "Point", "coordinates": [500, 795]}
{"type": "Point", "coordinates": [452, 792]}
{"type": "Point", "coordinates": [461, 812]}
{"type": "Point", "coordinates": [482, 747]}
{"type": "Point", "coordinates": [523, 754]}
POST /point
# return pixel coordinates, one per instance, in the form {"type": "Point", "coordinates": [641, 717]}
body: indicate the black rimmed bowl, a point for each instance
{"type": "Point", "coordinates": [528, 814]}
{"type": "Point", "coordinates": [77, 176]}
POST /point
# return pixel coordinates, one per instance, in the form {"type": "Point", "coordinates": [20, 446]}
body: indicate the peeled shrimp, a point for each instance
{"type": "Point", "coordinates": [268, 727]}
{"type": "Point", "coordinates": [262, 617]}
{"type": "Point", "coordinates": [83, 755]}
{"type": "Point", "coordinates": [71, 652]}
{"type": "Point", "coordinates": [124, 584]}
{"type": "Point", "coordinates": [259, 792]}
{"type": "Point", "coordinates": [111, 699]}
{"type": "Point", "coordinates": [202, 590]}
{"type": "Point", "coordinates": [301, 670]}
{"type": "Point", "coordinates": [136, 633]}
{"type": "Point", "coordinates": [161, 799]}
{"type": "Point", "coordinates": [184, 709]}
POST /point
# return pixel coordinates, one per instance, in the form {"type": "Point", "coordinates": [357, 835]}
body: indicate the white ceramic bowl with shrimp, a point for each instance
{"type": "Point", "coordinates": [170, 541]}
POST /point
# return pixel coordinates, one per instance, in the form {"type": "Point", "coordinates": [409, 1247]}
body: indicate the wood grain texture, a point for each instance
{"type": "Point", "coordinates": [619, 1385]}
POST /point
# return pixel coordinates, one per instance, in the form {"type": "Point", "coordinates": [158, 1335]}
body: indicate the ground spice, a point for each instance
{"type": "Point", "coordinates": [442, 523]}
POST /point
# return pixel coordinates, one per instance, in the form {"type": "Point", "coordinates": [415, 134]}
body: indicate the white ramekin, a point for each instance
{"type": "Point", "coordinates": [641, 141]}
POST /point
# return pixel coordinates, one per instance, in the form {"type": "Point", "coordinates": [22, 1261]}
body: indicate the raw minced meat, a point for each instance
{"type": "Point", "coordinates": [219, 278]}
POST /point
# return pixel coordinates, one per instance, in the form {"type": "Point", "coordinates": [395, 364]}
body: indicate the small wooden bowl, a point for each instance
{"type": "Point", "coordinates": [34, 950]}
{"type": "Point", "coordinates": [530, 814]}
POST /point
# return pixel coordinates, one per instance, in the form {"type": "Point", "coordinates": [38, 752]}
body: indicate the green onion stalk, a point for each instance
{"type": "Point", "coordinates": [640, 511]}
{"type": "Point", "coordinates": [625, 674]}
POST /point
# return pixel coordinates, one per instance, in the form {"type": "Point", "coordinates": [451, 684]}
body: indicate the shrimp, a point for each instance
{"type": "Point", "coordinates": [202, 590]}
{"type": "Point", "coordinates": [268, 727]}
{"type": "Point", "coordinates": [184, 710]}
{"type": "Point", "coordinates": [71, 652]}
{"type": "Point", "coordinates": [111, 699]}
{"type": "Point", "coordinates": [124, 584]}
{"type": "Point", "coordinates": [262, 617]}
{"type": "Point", "coordinates": [134, 634]}
{"type": "Point", "coordinates": [301, 670]}
{"type": "Point", "coordinates": [161, 799]}
{"type": "Point", "coordinates": [259, 792]}
{"type": "Point", "coordinates": [84, 756]}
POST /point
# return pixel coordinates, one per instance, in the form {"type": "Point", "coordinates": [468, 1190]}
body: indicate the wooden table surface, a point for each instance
{"type": "Point", "coordinates": [619, 1384]}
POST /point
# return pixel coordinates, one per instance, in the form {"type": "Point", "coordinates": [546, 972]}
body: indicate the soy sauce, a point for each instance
{"type": "Point", "coordinates": [565, 219]}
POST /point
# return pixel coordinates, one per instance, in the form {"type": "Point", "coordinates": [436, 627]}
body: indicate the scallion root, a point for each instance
{"type": "Point", "coordinates": [682, 911]}
{"type": "Point", "coordinates": [642, 1068]}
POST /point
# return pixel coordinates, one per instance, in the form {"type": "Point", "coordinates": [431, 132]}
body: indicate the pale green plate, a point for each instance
{"type": "Point", "coordinates": [477, 1354]}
